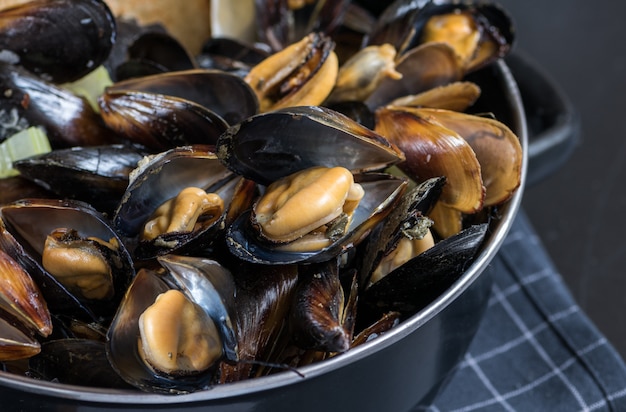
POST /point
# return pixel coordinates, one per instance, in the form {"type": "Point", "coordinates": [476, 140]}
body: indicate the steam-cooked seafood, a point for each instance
{"type": "Point", "coordinates": [276, 207]}
{"type": "Point", "coordinates": [174, 326]}
{"type": "Point", "coordinates": [302, 74]}
{"type": "Point", "coordinates": [60, 40]}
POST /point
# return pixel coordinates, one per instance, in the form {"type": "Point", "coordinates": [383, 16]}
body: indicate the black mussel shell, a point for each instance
{"type": "Point", "coordinates": [414, 205]}
{"type": "Point", "coordinates": [161, 177]}
{"type": "Point", "coordinates": [412, 286]}
{"type": "Point", "coordinates": [159, 122]}
{"type": "Point", "coordinates": [272, 145]}
{"type": "Point", "coordinates": [403, 21]}
{"type": "Point", "coordinates": [25, 226]}
{"type": "Point", "coordinates": [225, 94]}
{"type": "Point", "coordinates": [60, 40]}
{"type": "Point", "coordinates": [97, 175]}
{"type": "Point", "coordinates": [69, 120]}
{"type": "Point", "coordinates": [264, 294]}
{"type": "Point", "coordinates": [382, 192]}
{"type": "Point", "coordinates": [80, 362]}
{"type": "Point", "coordinates": [317, 313]}
{"type": "Point", "coordinates": [154, 52]}
{"type": "Point", "coordinates": [230, 55]}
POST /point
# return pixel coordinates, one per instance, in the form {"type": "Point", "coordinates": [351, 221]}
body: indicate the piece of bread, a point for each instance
{"type": "Point", "coordinates": [189, 21]}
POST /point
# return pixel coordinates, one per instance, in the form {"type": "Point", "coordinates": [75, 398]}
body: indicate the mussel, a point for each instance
{"type": "Point", "coordinates": [302, 74]}
{"type": "Point", "coordinates": [479, 32]}
{"type": "Point", "coordinates": [15, 344]}
{"type": "Point", "coordinates": [264, 295]}
{"type": "Point", "coordinates": [21, 299]}
{"type": "Point", "coordinates": [60, 40]}
{"type": "Point", "coordinates": [68, 119]}
{"type": "Point", "coordinates": [97, 175]}
{"type": "Point", "coordinates": [161, 178]}
{"type": "Point", "coordinates": [304, 179]}
{"type": "Point", "coordinates": [76, 233]}
{"type": "Point", "coordinates": [174, 326]}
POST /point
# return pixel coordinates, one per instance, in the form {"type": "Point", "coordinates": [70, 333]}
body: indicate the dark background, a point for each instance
{"type": "Point", "coordinates": [578, 210]}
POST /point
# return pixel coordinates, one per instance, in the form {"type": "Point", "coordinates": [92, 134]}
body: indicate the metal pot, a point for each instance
{"type": "Point", "coordinates": [393, 372]}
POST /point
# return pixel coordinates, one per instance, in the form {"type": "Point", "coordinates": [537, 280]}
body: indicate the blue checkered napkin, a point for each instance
{"type": "Point", "coordinates": [535, 349]}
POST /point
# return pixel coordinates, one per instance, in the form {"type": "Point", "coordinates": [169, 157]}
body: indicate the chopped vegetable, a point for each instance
{"type": "Point", "coordinates": [29, 142]}
{"type": "Point", "coordinates": [91, 86]}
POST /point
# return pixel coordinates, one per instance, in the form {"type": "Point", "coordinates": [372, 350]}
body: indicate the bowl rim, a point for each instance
{"type": "Point", "coordinates": [288, 378]}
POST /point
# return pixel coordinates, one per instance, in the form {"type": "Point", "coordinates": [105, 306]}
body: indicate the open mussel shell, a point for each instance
{"type": "Point", "coordinates": [60, 40]}
{"type": "Point", "coordinates": [21, 298]}
{"type": "Point", "coordinates": [382, 191]}
{"type": "Point", "coordinates": [15, 344]}
{"type": "Point", "coordinates": [269, 146]}
{"type": "Point", "coordinates": [263, 297]}
{"type": "Point", "coordinates": [160, 178]}
{"type": "Point", "coordinates": [433, 150]}
{"type": "Point", "coordinates": [419, 281]}
{"type": "Point", "coordinates": [403, 24]}
{"type": "Point", "coordinates": [497, 149]}
{"type": "Point", "coordinates": [80, 362]}
{"type": "Point", "coordinates": [69, 120]}
{"type": "Point", "coordinates": [226, 94]}
{"type": "Point", "coordinates": [414, 205]}
{"type": "Point", "coordinates": [422, 68]}
{"type": "Point", "coordinates": [157, 121]}
{"type": "Point", "coordinates": [26, 225]}
{"type": "Point", "coordinates": [303, 73]}
{"type": "Point", "coordinates": [202, 281]}
{"type": "Point", "coordinates": [154, 52]}
{"type": "Point", "coordinates": [122, 340]}
{"type": "Point", "coordinates": [97, 175]}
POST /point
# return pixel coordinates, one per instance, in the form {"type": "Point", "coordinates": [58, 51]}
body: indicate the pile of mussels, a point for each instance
{"type": "Point", "coordinates": [249, 210]}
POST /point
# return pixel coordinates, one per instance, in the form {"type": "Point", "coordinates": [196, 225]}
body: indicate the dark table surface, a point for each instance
{"type": "Point", "coordinates": [578, 210]}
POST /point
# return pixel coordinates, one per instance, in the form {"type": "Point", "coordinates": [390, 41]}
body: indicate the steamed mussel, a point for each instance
{"type": "Point", "coordinates": [78, 261]}
{"type": "Point", "coordinates": [60, 40]}
{"type": "Point", "coordinates": [312, 187]}
{"type": "Point", "coordinates": [240, 224]}
{"type": "Point", "coordinates": [174, 326]}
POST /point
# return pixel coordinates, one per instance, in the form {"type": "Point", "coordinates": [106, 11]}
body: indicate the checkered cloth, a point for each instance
{"type": "Point", "coordinates": [535, 349]}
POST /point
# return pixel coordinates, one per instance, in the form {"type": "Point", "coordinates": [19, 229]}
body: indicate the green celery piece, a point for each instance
{"type": "Point", "coordinates": [91, 86]}
{"type": "Point", "coordinates": [29, 142]}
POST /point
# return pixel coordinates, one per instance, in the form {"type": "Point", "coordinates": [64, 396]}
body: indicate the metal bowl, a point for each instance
{"type": "Point", "coordinates": [394, 372]}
